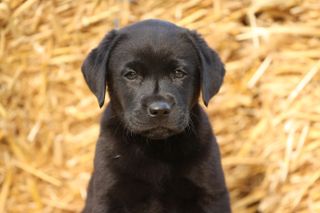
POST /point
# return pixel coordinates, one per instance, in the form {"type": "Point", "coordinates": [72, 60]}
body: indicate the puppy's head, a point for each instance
{"type": "Point", "coordinates": [154, 71]}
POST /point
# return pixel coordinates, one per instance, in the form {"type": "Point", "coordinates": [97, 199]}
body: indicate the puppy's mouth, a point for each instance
{"type": "Point", "coordinates": [156, 129]}
{"type": "Point", "coordinates": [158, 133]}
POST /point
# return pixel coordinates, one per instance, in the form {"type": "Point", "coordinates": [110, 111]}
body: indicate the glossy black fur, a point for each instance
{"type": "Point", "coordinates": [167, 164]}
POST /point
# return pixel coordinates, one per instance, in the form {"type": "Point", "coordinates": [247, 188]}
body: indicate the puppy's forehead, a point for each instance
{"type": "Point", "coordinates": [156, 38]}
{"type": "Point", "coordinates": [152, 28]}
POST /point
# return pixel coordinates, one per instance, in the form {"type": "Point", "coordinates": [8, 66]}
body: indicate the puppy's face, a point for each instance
{"type": "Point", "coordinates": [154, 78]}
{"type": "Point", "coordinates": [154, 71]}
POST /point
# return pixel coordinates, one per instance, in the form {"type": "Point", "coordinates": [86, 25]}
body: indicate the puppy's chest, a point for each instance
{"type": "Point", "coordinates": [155, 187]}
{"type": "Point", "coordinates": [154, 171]}
{"type": "Point", "coordinates": [177, 194]}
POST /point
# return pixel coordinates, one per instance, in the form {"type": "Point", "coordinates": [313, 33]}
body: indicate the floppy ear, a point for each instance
{"type": "Point", "coordinates": [212, 69]}
{"type": "Point", "coordinates": [94, 67]}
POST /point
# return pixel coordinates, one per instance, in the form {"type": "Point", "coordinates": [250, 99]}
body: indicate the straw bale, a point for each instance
{"type": "Point", "coordinates": [267, 115]}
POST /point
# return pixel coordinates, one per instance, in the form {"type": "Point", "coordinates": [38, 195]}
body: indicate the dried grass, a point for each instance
{"type": "Point", "coordinates": [267, 115]}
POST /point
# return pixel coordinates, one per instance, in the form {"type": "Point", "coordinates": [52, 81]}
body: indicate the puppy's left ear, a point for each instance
{"type": "Point", "coordinates": [212, 69]}
{"type": "Point", "coordinates": [95, 68]}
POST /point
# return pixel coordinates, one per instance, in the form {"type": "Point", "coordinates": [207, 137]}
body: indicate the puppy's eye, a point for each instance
{"type": "Point", "coordinates": [131, 74]}
{"type": "Point", "coordinates": [178, 73]}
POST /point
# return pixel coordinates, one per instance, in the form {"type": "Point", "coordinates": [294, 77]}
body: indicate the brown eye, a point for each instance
{"type": "Point", "coordinates": [178, 73]}
{"type": "Point", "coordinates": [131, 74]}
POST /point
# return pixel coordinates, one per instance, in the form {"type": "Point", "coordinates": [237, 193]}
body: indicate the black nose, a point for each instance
{"type": "Point", "coordinates": [159, 108]}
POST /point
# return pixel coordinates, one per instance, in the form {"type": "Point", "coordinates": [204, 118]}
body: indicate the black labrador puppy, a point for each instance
{"type": "Point", "coordinates": [156, 151]}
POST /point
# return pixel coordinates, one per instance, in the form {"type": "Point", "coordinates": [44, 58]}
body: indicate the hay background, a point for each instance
{"type": "Point", "coordinates": [267, 115]}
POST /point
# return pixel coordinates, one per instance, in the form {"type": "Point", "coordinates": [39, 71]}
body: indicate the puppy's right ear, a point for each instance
{"type": "Point", "coordinates": [95, 69]}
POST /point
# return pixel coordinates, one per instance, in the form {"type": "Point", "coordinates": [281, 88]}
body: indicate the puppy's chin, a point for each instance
{"type": "Point", "coordinates": [159, 133]}
{"type": "Point", "coordinates": [155, 130]}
